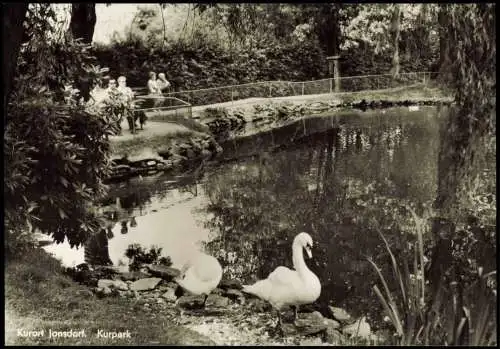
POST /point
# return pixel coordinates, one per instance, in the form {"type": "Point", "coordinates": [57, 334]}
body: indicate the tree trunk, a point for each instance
{"type": "Point", "coordinates": [83, 19]}
{"type": "Point", "coordinates": [329, 28]}
{"type": "Point", "coordinates": [13, 18]}
{"type": "Point", "coordinates": [396, 33]}
{"type": "Point", "coordinates": [444, 57]}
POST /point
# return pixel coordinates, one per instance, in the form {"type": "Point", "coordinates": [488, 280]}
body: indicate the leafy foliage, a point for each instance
{"type": "Point", "coordinates": [139, 256]}
{"type": "Point", "coordinates": [56, 150]}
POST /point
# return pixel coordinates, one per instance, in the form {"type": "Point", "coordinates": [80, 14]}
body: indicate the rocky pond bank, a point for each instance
{"type": "Point", "coordinates": [228, 316]}
{"type": "Point", "coordinates": [171, 143]}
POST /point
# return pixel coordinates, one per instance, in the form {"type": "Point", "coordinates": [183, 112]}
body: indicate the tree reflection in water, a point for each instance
{"type": "Point", "coordinates": [339, 186]}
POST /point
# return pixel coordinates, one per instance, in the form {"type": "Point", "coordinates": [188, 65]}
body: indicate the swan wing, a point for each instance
{"type": "Point", "coordinates": [283, 276]}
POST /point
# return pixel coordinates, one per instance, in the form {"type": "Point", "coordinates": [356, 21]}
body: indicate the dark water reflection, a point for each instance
{"type": "Point", "coordinates": [333, 185]}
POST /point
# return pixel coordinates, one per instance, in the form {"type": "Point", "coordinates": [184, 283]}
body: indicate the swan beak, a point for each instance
{"type": "Point", "coordinates": [309, 254]}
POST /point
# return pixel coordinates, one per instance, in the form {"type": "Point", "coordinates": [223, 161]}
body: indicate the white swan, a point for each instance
{"type": "Point", "coordinates": [200, 274]}
{"type": "Point", "coordinates": [286, 287]}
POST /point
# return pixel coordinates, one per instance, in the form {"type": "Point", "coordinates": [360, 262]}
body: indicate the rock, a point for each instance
{"type": "Point", "coordinates": [310, 342]}
{"type": "Point", "coordinates": [206, 153]}
{"type": "Point", "coordinates": [145, 284]}
{"type": "Point", "coordinates": [190, 153]}
{"type": "Point", "coordinates": [360, 328]}
{"type": "Point", "coordinates": [133, 276]}
{"type": "Point", "coordinates": [107, 269]}
{"type": "Point", "coordinates": [86, 293]}
{"type": "Point", "coordinates": [307, 324]}
{"type": "Point", "coordinates": [339, 314]}
{"type": "Point", "coordinates": [172, 285]}
{"type": "Point", "coordinates": [216, 301]}
{"type": "Point", "coordinates": [235, 295]}
{"type": "Point", "coordinates": [103, 291]}
{"type": "Point", "coordinates": [226, 284]}
{"type": "Point", "coordinates": [332, 323]}
{"type": "Point", "coordinates": [118, 284]}
{"type": "Point", "coordinates": [218, 291]}
{"type": "Point", "coordinates": [191, 302]}
{"type": "Point", "coordinates": [170, 295]}
{"type": "Point", "coordinates": [333, 336]}
{"type": "Point", "coordinates": [161, 271]}
{"type": "Point", "coordinates": [259, 305]}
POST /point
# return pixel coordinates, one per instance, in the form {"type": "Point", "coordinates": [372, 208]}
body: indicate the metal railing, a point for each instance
{"type": "Point", "coordinates": [289, 88]}
{"type": "Point", "coordinates": [167, 106]}
{"type": "Point", "coordinates": [213, 95]}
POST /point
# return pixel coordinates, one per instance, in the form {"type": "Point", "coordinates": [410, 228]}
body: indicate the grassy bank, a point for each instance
{"type": "Point", "coordinates": [38, 296]}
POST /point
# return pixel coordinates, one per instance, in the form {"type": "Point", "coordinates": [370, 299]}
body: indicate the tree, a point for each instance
{"type": "Point", "coordinates": [56, 147]}
{"type": "Point", "coordinates": [83, 19]}
{"type": "Point", "coordinates": [13, 18]}
{"type": "Point", "coordinates": [396, 34]}
{"type": "Point", "coordinates": [470, 32]}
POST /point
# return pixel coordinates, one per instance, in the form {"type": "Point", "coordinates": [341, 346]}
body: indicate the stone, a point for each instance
{"type": "Point", "coordinates": [172, 285]}
{"type": "Point", "coordinates": [259, 305]}
{"type": "Point", "coordinates": [191, 302]}
{"type": "Point", "coordinates": [161, 271]}
{"type": "Point", "coordinates": [145, 284]}
{"type": "Point", "coordinates": [339, 314]}
{"type": "Point", "coordinates": [360, 328]}
{"type": "Point", "coordinates": [226, 284]}
{"type": "Point", "coordinates": [190, 153]}
{"type": "Point", "coordinates": [107, 269]}
{"type": "Point", "coordinates": [133, 276]}
{"type": "Point", "coordinates": [333, 336]}
{"type": "Point", "coordinates": [307, 324]}
{"type": "Point", "coordinates": [104, 291]}
{"type": "Point", "coordinates": [116, 284]}
{"type": "Point", "coordinates": [206, 153]}
{"type": "Point", "coordinates": [235, 295]}
{"type": "Point", "coordinates": [218, 291]}
{"type": "Point", "coordinates": [216, 301]}
{"type": "Point", "coordinates": [170, 295]}
{"type": "Point", "coordinates": [104, 283]}
{"type": "Point", "coordinates": [85, 293]}
{"type": "Point", "coordinates": [311, 341]}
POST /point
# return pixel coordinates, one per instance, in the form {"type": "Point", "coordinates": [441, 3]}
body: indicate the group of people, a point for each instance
{"type": "Point", "coordinates": [158, 86]}
{"type": "Point", "coordinates": [113, 91]}
{"type": "Point", "coordinates": [123, 93]}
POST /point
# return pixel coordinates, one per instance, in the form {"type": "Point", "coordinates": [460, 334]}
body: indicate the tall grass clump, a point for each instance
{"type": "Point", "coordinates": [423, 311]}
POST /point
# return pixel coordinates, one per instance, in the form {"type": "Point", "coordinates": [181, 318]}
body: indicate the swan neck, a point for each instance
{"type": "Point", "coordinates": [298, 259]}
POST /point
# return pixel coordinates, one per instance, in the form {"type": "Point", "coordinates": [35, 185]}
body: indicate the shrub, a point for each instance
{"type": "Point", "coordinates": [56, 150]}
{"type": "Point", "coordinates": [139, 256]}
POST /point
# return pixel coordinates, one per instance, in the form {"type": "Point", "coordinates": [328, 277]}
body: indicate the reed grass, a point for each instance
{"type": "Point", "coordinates": [455, 314]}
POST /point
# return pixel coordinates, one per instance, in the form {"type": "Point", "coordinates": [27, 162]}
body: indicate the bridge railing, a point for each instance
{"type": "Point", "coordinates": [289, 88]}
{"type": "Point", "coordinates": [184, 100]}
{"type": "Point", "coordinates": [166, 105]}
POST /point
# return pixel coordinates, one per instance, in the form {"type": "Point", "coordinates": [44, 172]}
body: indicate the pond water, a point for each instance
{"type": "Point", "coordinates": [334, 184]}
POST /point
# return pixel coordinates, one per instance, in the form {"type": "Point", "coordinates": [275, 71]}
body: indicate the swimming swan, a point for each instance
{"type": "Point", "coordinates": [286, 287]}
{"type": "Point", "coordinates": [200, 275]}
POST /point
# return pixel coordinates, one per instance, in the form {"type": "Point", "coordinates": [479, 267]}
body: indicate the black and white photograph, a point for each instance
{"type": "Point", "coordinates": [226, 174]}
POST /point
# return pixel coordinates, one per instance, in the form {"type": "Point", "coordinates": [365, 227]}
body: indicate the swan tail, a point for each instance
{"type": "Point", "coordinates": [259, 289]}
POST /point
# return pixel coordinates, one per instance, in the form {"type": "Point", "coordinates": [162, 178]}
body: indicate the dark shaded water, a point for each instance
{"type": "Point", "coordinates": [338, 185]}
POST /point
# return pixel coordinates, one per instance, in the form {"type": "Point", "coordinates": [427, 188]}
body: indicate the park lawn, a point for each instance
{"type": "Point", "coordinates": [39, 296]}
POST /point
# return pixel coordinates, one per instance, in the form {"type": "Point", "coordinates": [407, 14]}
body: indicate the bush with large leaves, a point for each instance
{"type": "Point", "coordinates": [56, 149]}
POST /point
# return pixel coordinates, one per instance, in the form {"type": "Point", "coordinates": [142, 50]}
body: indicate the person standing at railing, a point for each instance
{"type": "Point", "coordinates": [163, 83]}
{"type": "Point", "coordinates": [128, 96]}
{"type": "Point", "coordinates": [164, 86]}
{"type": "Point", "coordinates": [153, 88]}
